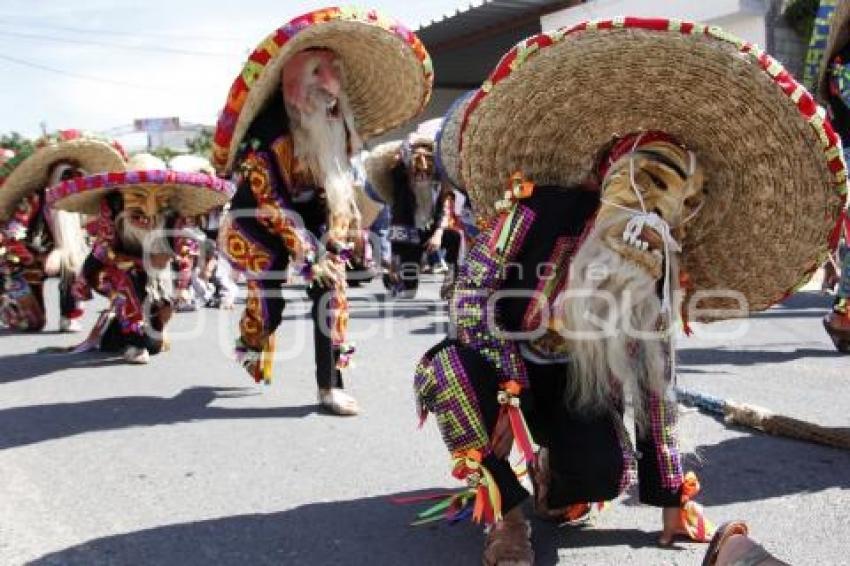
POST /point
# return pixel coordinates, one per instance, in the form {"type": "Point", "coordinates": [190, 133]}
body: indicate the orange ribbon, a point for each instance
{"type": "Point", "coordinates": [698, 527]}
{"type": "Point", "coordinates": [509, 400]}
{"type": "Point", "coordinates": [518, 188]}
{"type": "Point", "coordinates": [488, 500]}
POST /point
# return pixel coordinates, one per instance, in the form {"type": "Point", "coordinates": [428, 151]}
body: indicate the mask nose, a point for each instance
{"type": "Point", "coordinates": [329, 81]}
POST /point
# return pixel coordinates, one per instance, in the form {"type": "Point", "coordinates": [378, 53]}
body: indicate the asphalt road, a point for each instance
{"type": "Point", "coordinates": [185, 461]}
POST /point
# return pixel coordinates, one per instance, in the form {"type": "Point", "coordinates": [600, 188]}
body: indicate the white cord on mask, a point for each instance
{"type": "Point", "coordinates": [641, 219]}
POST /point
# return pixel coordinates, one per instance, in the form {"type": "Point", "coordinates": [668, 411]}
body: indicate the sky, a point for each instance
{"type": "Point", "coordinates": [99, 64]}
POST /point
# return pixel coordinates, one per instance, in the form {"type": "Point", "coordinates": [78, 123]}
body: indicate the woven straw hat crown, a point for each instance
{"type": "Point", "coordinates": [28, 171]}
{"type": "Point", "coordinates": [774, 171]}
{"type": "Point", "coordinates": [388, 73]}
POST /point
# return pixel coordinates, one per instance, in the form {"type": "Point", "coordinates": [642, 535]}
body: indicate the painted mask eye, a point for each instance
{"type": "Point", "coordinates": [657, 181]}
{"type": "Point", "coordinates": [139, 219]}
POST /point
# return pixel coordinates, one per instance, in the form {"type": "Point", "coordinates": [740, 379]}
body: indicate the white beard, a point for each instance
{"type": "Point", "coordinates": [603, 367]}
{"type": "Point", "coordinates": [321, 143]}
{"type": "Point", "coordinates": [69, 241]}
{"type": "Point", "coordinates": [148, 241]}
{"type": "Point", "coordinates": [423, 191]}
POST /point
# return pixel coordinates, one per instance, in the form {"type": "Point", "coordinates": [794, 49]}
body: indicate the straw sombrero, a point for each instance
{"type": "Point", "coordinates": [368, 208]}
{"type": "Point", "coordinates": [190, 194]}
{"type": "Point", "coordinates": [773, 164]}
{"type": "Point", "coordinates": [839, 36]}
{"type": "Point", "coordinates": [388, 73]}
{"type": "Point", "coordinates": [447, 152]}
{"type": "Point", "coordinates": [190, 163]}
{"type": "Point", "coordinates": [27, 171]}
{"type": "Point", "coordinates": [379, 166]}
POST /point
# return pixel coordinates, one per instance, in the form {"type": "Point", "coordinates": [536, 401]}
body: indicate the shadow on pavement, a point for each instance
{"type": "Point", "coordinates": [36, 364]}
{"type": "Point", "coordinates": [22, 426]}
{"type": "Point", "coordinates": [758, 467]}
{"type": "Point", "coordinates": [373, 531]}
{"type": "Point", "coordinates": [806, 300]}
{"type": "Point", "coordinates": [370, 531]}
{"type": "Point", "coordinates": [722, 356]}
{"type": "Point", "coordinates": [549, 539]}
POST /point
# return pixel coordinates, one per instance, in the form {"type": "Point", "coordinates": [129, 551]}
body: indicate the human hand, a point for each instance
{"type": "Point", "coordinates": [433, 243]}
{"type": "Point", "coordinates": [329, 272]}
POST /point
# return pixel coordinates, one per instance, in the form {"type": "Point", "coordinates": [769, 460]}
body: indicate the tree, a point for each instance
{"type": "Point", "coordinates": [202, 143]}
{"type": "Point", "coordinates": [165, 153]}
{"type": "Point", "coordinates": [16, 142]}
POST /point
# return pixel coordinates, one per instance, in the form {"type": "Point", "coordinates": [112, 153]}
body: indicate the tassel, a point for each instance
{"type": "Point", "coordinates": [92, 342]}
{"type": "Point", "coordinates": [488, 501]}
{"type": "Point", "coordinates": [509, 400]}
{"type": "Point", "coordinates": [686, 285]}
{"type": "Point", "coordinates": [698, 527]}
{"type": "Point", "coordinates": [519, 189]}
{"type": "Point", "coordinates": [505, 231]}
{"type": "Point", "coordinates": [267, 361]}
{"type": "Point", "coordinates": [451, 506]}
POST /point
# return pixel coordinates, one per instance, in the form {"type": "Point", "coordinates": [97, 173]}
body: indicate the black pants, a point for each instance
{"type": "Point", "coordinates": [326, 355]}
{"type": "Point", "coordinates": [585, 452]}
{"type": "Point", "coordinates": [406, 257]}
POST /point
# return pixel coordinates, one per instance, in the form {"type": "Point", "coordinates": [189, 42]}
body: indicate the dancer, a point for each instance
{"type": "Point", "coordinates": [139, 214]}
{"type": "Point", "coordinates": [308, 96]}
{"type": "Point", "coordinates": [565, 306]}
{"type": "Point", "coordinates": [37, 243]}
{"type": "Point", "coordinates": [834, 90]}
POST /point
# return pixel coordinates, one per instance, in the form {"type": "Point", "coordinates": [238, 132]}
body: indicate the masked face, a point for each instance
{"type": "Point", "coordinates": [421, 168]}
{"type": "Point", "coordinates": [658, 177]}
{"type": "Point", "coordinates": [312, 81]}
{"type": "Point", "coordinates": [143, 208]}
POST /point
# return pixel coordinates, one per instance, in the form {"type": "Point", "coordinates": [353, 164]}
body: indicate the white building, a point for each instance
{"type": "Point", "coordinates": [745, 18]}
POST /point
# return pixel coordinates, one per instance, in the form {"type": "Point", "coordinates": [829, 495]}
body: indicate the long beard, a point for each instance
{"type": "Point", "coordinates": [322, 144]}
{"type": "Point", "coordinates": [148, 241]}
{"type": "Point", "coordinates": [626, 352]}
{"type": "Point", "coordinates": [138, 241]}
{"type": "Point", "coordinates": [422, 190]}
{"type": "Point", "coordinates": [69, 240]}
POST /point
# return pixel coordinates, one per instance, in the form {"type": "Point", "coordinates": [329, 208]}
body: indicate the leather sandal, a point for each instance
{"type": "Point", "coordinates": [508, 544]}
{"type": "Point", "coordinates": [721, 535]}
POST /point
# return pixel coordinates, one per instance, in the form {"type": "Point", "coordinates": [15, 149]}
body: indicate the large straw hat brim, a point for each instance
{"type": "Point", "coordinates": [368, 208]}
{"type": "Point", "coordinates": [839, 36]}
{"type": "Point", "coordinates": [31, 174]}
{"type": "Point", "coordinates": [379, 166]}
{"type": "Point", "coordinates": [773, 166]}
{"type": "Point", "coordinates": [447, 154]}
{"type": "Point", "coordinates": [190, 194]}
{"type": "Point", "coordinates": [388, 74]}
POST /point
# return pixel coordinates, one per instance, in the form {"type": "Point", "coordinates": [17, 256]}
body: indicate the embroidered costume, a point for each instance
{"type": "Point", "coordinates": [834, 90]}
{"type": "Point", "coordinates": [295, 204]}
{"type": "Point", "coordinates": [403, 173]}
{"type": "Point", "coordinates": [138, 213]}
{"type": "Point", "coordinates": [36, 242]}
{"type": "Point", "coordinates": [617, 173]}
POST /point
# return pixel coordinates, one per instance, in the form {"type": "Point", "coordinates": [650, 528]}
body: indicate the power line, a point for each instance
{"type": "Point", "coordinates": [147, 48]}
{"type": "Point", "coordinates": [79, 75]}
{"type": "Point", "coordinates": [127, 33]}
